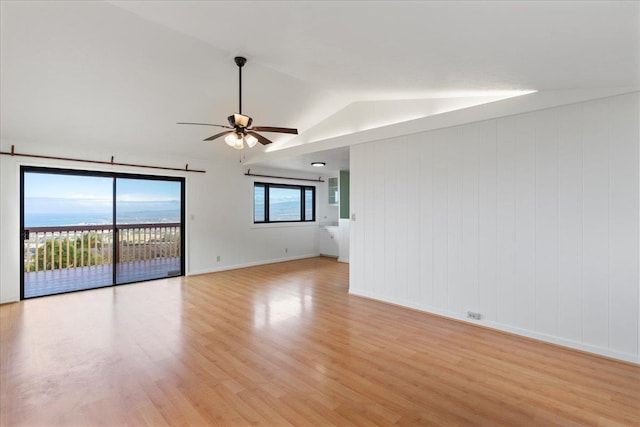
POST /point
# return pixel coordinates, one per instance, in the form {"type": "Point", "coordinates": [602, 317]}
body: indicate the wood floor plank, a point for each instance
{"type": "Point", "coordinates": [285, 344]}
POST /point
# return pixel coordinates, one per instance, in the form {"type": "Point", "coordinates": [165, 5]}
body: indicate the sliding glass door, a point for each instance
{"type": "Point", "coordinates": [67, 229]}
{"type": "Point", "coordinates": [83, 230]}
{"type": "Point", "coordinates": [149, 229]}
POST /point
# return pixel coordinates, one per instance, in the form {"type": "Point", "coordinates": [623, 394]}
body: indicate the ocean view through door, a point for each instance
{"type": "Point", "coordinates": [67, 221]}
{"type": "Point", "coordinates": [149, 229]}
{"type": "Point", "coordinates": [83, 230]}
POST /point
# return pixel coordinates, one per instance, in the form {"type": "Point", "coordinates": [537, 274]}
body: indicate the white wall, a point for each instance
{"type": "Point", "coordinates": [343, 240]}
{"type": "Point", "coordinates": [219, 207]}
{"type": "Point", "coordinates": [222, 205]}
{"type": "Point", "coordinates": [530, 220]}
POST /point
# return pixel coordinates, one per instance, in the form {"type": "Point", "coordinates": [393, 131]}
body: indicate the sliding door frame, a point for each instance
{"type": "Point", "coordinates": [114, 175]}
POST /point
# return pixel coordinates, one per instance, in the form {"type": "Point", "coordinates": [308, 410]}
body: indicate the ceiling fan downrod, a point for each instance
{"type": "Point", "coordinates": [240, 61]}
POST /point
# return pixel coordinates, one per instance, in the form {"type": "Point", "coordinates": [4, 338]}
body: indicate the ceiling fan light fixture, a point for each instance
{"type": "Point", "coordinates": [250, 140]}
{"type": "Point", "coordinates": [232, 138]}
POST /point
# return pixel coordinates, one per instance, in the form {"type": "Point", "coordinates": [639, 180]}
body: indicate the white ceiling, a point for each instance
{"type": "Point", "coordinates": [120, 74]}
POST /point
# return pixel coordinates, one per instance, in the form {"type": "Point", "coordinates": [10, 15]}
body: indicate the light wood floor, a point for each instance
{"type": "Point", "coordinates": [284, 344]}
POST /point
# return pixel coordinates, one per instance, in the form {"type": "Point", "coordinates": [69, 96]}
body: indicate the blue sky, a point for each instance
{"type": "Point", "coordinates": [98, 189]}
{"type": "Point", "coordinates": [48, 194]}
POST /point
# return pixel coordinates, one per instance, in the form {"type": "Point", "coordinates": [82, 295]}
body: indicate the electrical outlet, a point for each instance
{"type": "Point", "coordinates": [286, 250]}
{"type": "Point", "coordinates": [218, 258]}
{"type": "Point", "coordinates": [472, 315]}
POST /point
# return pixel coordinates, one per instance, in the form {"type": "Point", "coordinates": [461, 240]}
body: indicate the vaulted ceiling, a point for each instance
{"type": "Point", "coordinates": [121, 74]}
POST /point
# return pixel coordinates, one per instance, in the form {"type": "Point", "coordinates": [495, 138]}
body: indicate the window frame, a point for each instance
{"type": "Point", "coordinates": [300, 187]}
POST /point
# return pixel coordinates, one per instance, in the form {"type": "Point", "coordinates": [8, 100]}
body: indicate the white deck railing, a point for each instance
{"type": "Point", "coordinates": [52, 248]}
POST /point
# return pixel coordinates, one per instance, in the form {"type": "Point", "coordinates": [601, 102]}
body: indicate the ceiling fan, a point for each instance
{"type": "Point", "coordinates": [240, 131]}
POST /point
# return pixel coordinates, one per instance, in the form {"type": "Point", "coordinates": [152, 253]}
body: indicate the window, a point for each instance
{"type": "Point", "coordinates": [333, 191]}
{"type": "Point", "coordinates": [283, 203]}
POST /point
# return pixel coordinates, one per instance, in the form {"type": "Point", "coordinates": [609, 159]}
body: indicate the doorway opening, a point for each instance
{"type": "Point", "coordinates": [84, 229]}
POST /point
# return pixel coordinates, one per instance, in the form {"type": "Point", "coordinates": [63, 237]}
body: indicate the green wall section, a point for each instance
{"type": "Point", "coordinates": [344, 194]}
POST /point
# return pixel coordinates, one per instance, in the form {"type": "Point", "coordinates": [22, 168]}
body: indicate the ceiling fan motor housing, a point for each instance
{"type": "Point", "coordinates": [239, 120]}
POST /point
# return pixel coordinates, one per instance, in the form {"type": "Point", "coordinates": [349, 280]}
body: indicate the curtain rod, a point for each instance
{"type": "Point", "coordinates": [100, 162]}
{"type": "Point", "coordinates": [283, 177]}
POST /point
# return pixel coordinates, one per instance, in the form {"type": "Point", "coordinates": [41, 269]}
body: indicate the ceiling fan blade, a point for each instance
{"type": "Point", "coordinates": [275, 129]}
{"type": "Point", "coordinates": [204, 124]}
{"type": "Point", "coordinates": [217, 135]}
{"type": "Point", "coordinates": [262, 139]}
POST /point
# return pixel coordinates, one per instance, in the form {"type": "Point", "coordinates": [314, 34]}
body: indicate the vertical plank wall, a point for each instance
{"type": "Point", "coordinates": [530, 220]}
